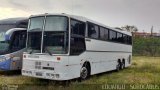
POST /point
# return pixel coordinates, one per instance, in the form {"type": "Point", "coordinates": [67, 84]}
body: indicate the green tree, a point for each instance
{"type": "Point", "coordinates": [130, 28]}
{"type": "Point", "coordinates": [149, 46]}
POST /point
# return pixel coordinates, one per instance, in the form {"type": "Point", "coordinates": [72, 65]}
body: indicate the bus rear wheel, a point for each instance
{"type": "Point", "coordinates": [123, 64]}
{"type": "Point", "coordinates": [118, 67]}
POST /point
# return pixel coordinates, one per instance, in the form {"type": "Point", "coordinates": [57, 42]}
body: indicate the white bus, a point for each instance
{"type": "Point", "coordinates": [64, 47]}
{"type": "Point", "coordinates": [13, 35]}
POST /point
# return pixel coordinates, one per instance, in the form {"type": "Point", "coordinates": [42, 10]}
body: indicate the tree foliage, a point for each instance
{"type": "Point", "coordinates": [148, 46]}
{"type": "Point", "coordinates": [130, 28]}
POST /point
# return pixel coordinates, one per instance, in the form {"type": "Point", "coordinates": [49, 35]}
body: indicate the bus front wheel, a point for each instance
{"type": "Point", "coordinates": [84, 73]}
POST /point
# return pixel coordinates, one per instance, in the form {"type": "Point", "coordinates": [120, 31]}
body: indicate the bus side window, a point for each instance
{"type": "Point", "coordinates": [18, 41]}
{"type": "Point", "coordinates": [130, 40]}
{"type": "Point", "coordinates": [93, 31]}
{"type": "Point", "coordinates": [120, 37]}
{"type": "Point", "coordinates": [112, 35]}
{"type": "Point", "coordinates": [77, 37]}
{"type": "Point", "coordinates": [103, 33]}
{"type": "Point", "coordinates": [125, 39]}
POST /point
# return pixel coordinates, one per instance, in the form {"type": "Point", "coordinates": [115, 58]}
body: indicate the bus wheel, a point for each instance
{"type": "Point", "coordinates": [84, 73]}
{"type": "Point", "coordinates": [123, 64]}
{"type": "Point", "coordinates": [118, 67]}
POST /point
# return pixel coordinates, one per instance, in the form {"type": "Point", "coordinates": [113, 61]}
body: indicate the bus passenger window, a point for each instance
{"type": "Point", "coordinates": [120, 37]}
{"type": "Point", "coordinates": [125, 39]}
{"type": "Point", "coordinates": [103, 33]}
{"type": "Point", "coordinates": [130, 40]}
{"type": "Point", "coordinates": [77, 46]}
{"type": "Point", "coordinates": [93, 31]}
{"type": "Point", "coordinates": [112, 35]}
{"type": "Point", "coordinates": [77, 28]}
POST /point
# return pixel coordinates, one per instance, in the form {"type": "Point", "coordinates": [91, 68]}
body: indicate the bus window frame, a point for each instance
{"type": "Point", "coordinates": [108, 34]}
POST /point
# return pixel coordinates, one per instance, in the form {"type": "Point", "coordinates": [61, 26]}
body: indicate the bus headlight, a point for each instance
{"type": "Point", "coordinates": [2, 59]}
{"type": "Point", "coordinates": [6, 57]}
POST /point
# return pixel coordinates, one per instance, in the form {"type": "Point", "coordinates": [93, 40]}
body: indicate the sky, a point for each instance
{"type": "Point", "coordinates": [114, 13]}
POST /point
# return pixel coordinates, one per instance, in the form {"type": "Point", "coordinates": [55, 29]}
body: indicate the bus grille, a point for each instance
{"type": "Point", "coordinates": [37, 65]}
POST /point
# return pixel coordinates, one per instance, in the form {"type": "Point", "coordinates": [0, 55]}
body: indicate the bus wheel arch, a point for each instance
{"type": "Point", "coordinates": [86, 67]}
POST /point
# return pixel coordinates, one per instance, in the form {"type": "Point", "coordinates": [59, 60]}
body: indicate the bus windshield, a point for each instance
{"type": "Point", "coordinates": [35, 34]}
{"type": "Point", "coordinates": [4, 44]}
{"type": "Point", "coordinates": [55, 35]}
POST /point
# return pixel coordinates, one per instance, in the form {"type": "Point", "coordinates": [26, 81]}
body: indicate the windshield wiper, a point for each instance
{"type": "Point", "coordinates": [48, 51]}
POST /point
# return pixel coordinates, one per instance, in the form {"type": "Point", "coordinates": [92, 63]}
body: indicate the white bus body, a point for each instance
{"type": "Point", "coordinates": [93, 56]}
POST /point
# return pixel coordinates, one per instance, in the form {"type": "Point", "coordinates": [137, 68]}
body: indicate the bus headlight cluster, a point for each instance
{"type": "Point", "coordinates": [3, 58]}
{"type": "Point", "coordinates": [52, 75]}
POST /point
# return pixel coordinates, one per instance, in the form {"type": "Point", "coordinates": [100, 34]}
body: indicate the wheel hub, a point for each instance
{"type": "Point", "coordinates": [84, 72]}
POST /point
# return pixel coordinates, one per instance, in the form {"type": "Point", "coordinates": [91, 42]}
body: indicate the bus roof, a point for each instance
{"type": "Point", "coordinates": [84, 19]}
{"type": "Point", "coordinates": [12, 20]}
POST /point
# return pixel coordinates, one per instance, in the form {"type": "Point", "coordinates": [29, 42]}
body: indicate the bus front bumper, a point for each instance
{"type": "Point", "coordinates": [9, 64]}
{"type": "Point", "coordinates": [45, 74]}
{"type": "Point", "coordinates": [5, 65]}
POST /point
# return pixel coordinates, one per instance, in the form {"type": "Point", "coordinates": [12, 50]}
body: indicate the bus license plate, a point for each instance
{"type": "Point", "coordinates": [38, 74]}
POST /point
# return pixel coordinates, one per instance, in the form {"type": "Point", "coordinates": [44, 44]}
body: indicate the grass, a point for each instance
{"type": "Point", "coordinates": [144, 70]}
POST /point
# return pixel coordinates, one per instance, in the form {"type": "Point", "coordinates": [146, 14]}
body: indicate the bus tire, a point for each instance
{"type": "Point", "coordinates": [118, 67]}
{"type": "Point", "coordinates": [85, 71]}
{"type": "Point", "coordinates": [123, 64]}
